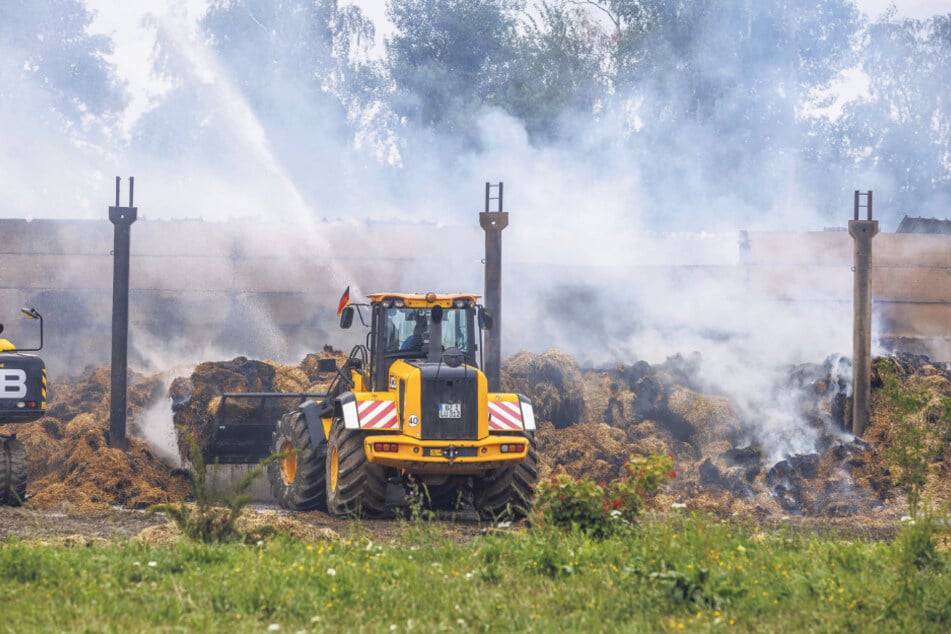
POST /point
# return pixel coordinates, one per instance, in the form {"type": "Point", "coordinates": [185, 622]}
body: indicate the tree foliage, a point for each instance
{"type": "Point", "coordinates": [708, 98]}
{"type": "Point", "coordinates": [46, 43]}
{"type": "Point", "coordinates": [899, 137]}
{"type": "Point", "coordinates": [448, 58]}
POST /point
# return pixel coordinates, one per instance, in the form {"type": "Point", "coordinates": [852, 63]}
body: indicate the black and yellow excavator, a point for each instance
{"type": "Point", "coordinates": [22, 400]}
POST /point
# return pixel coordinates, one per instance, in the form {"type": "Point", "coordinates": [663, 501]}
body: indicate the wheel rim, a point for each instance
{"type": "Point", "coordinates": [334, 468]}
{"type": "Point", "coordinates": [288, 464]}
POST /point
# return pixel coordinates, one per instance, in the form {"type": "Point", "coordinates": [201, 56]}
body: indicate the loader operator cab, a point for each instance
{"type": "Point", "coordinates": [410, 331]}
{"type": "Point", "coordinates": [422, 328]}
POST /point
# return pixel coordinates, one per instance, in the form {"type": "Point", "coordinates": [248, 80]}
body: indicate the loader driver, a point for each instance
{"type": "Point", "coordinates": [417, 340]}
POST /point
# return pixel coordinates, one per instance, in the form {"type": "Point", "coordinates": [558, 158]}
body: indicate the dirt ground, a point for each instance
{"type": "Point", "coordinates": [52, 525]}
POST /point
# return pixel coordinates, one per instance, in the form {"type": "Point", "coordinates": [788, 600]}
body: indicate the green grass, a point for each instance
{"type": "Point", "coordinates": [683, 573]}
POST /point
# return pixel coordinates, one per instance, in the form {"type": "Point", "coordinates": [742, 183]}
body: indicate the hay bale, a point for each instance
{"type": "Point", "coordinates": [551, 380]}
{"type": "Point", "coordinates": [290, 379]}
{"type": "Point", "coordinates": [711, 418]}
{"type": "Point", "coordinates": [592, 450]}
{"type": "Point", "coordinates": [607, 398]}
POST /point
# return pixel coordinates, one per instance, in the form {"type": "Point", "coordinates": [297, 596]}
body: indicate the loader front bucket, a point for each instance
{"type": "Point", "coordinates": [245, 421]}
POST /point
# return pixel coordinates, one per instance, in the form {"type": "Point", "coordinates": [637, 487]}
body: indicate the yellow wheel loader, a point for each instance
{"type": "Point", "coordinates": [409, 407]}
{"type": "Point", "coordinates": [22, 400]}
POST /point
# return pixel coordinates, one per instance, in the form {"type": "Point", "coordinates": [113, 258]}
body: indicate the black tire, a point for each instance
{"type": "Point", "coordinates": [508, 494]}
{"type": "Point", "coordinates": [355, 487]}
{"type": "Point", "coordinates": [298, 480]}
{"type": "Point", "coordinates": [12, 472]}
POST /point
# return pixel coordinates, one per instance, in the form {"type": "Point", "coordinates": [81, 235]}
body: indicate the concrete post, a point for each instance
{"type": "Point", "coordinates": [493, 222]}
{"type": "Point", "coordinates": [862, 232]}
{"type": "Point", "coordinates": [122, 218]}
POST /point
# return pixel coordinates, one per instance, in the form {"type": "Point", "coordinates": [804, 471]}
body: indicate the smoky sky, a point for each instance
{"type": "Point", "coordinates": [663, 172]}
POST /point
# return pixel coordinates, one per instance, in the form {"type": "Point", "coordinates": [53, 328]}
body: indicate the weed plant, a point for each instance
{"type": "Point", "coordinates": [922, 429]}
{"type": "Point", "coordinates": [213, 516]}
{"type": "Point", "coordinates": [605, 508]}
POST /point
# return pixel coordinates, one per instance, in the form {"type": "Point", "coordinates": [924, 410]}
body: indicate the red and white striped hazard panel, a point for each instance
{"type": "Point", "coordinates": [505, 416]}
{"type": "Point", "coordinates": [377, 414]}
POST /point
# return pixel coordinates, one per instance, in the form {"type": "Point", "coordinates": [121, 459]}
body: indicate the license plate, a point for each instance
{"type": "Point", "coordinates": [450, 410]}
{"type": "Point", "coordinates": [450, 452]}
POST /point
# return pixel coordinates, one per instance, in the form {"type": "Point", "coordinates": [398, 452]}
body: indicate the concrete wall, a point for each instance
{"type": "Point", "coordinates": [271, 290]}
{"type": "Point", "coordinates": [266, 290]}
{"type": "Point", "coordinates": [911, 281]}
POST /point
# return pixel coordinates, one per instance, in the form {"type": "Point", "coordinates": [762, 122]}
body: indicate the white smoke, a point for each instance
{"type": "Point", "coordinates": [621, 246]}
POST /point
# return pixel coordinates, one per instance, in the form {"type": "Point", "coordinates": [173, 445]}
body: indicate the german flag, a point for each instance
{"type": "Point", "coordinates": [344, 301]}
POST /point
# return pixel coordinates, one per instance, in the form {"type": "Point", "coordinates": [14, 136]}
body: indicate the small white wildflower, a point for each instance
{"type": "Point", "coordinates": [504, 524]}
{"type": "Point", "coordinates": [468, 576]}
{"type": "Point", "coordinates": [906, 518]}
{"type": "Point", "coordinates": [153, 564]}
{"type": "Point", "coordinates": [461, 622]}
{"type": "Point", "coordinates": [135, 563]}
{"type": "Point", "coordinates": [259, 543]}
{"type": "Point", "coordinates": [273, 627]}
{"type": "Point", "coordinates": [678, 505]}
{"type": "Point", "coordinates": [616, 513]}
{"type": "Point", "coordinates": [331, 572]}
{"type": "Point", "coordinates": [392, 627]}
{"type": "Point", "coordinates": [315, 619]}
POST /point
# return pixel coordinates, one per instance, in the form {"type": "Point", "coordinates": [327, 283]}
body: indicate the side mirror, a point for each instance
{"type": "Point", "coordinates": [346, 317]}
{"type": "Point", "coordinates": [485, 319]}
{"type": "Point", "coordinates": [32, 314]}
